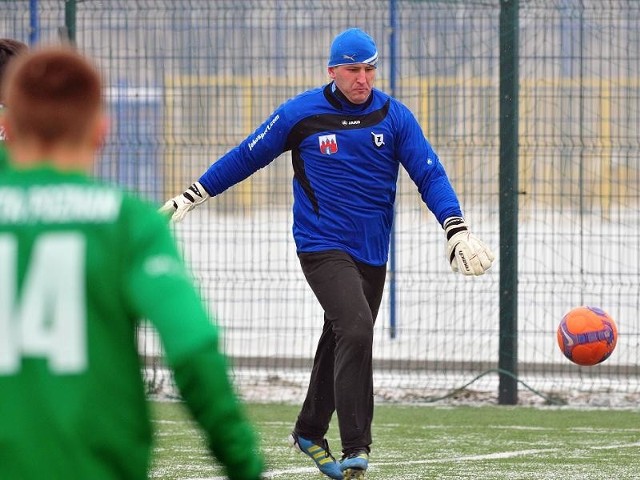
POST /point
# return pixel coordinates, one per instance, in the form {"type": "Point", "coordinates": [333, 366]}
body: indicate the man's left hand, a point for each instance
{"type": "Point", "coordinates": [466, 253]}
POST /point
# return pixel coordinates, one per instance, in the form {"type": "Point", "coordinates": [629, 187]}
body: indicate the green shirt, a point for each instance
{"type": "Point", "coordinates": [4, 156]}
{"type": "Point", "coordinates": [80, 264]}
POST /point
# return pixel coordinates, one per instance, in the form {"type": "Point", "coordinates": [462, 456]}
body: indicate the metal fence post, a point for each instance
{"type": "Point", "coordinates": [70, 20]}
{"type": "Point", "coordinates": [508, 354]}
{"type": "Point", "coordinates": [34, 27]}
{"type": "Point", "coordinates": [393, 20]}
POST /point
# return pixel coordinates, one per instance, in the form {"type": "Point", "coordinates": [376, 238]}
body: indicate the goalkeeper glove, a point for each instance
{"type": "Point", "coordinates": [179, 206]}
{"type": "Point", "coordinates": [466, 253]}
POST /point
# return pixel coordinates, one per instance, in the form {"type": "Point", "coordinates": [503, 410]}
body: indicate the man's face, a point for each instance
{"type": "Point", "coordinates": [355, 81]}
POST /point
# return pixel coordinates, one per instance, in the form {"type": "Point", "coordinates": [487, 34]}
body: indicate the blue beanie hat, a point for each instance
{"type": "Point", "coordinates": [353, 46]}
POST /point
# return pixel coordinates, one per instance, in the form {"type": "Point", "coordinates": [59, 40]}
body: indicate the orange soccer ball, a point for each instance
{"type": "Point", "coordinates": [587, 335]}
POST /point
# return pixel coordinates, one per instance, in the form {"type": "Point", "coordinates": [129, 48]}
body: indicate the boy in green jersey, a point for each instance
{"type": "Point", "coordinates": [9, 48]}
{"type": "Point", "coordinates": [81, 263]}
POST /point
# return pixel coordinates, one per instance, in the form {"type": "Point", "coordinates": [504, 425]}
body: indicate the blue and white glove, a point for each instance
{"type": "Point", "coordinates": [466, 253]}
{"type": "Point", "coordinates": [179, 206]}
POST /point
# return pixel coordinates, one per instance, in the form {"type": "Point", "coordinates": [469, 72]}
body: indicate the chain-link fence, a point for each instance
{"type": "Point", "coordinates": [188, 80]}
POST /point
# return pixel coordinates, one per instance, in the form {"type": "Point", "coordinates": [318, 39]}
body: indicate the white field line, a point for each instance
{"type": "Point", "coordinates": [271, 473]}
{"type": "Point", "coordinates": [490, 456]}
{"type": "Point", "coordinates": [435, 427]}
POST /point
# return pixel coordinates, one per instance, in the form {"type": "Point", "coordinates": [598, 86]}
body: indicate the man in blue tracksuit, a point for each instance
{"type": "Point", "coordinates": [347, 142]}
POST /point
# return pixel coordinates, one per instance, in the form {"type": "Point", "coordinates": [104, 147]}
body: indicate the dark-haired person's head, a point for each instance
{"type": "Point", "coordinates": [54, 102]}
{"type": "Point", "coordinates": [9, 49]}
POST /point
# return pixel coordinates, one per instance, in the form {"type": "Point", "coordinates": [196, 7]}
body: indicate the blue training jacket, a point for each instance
{"type": "Point", "coordinates": [346, 160]}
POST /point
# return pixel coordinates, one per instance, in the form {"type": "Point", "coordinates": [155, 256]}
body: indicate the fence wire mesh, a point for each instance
{"type": "Point", "coordinates": [188, 80]}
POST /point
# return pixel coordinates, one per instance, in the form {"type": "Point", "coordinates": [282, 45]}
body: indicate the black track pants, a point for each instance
{"type": "Point", "coordinates": [342, 376]}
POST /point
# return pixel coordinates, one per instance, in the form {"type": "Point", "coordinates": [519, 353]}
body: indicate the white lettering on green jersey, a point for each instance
{"type": "Point", "coordinates": [58, 204]}
{"type": "Point", "coordinates": [47, 319]}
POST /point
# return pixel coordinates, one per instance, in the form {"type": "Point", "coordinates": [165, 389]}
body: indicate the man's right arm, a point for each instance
{"type": "Point", "coordinates": [256, 151]}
